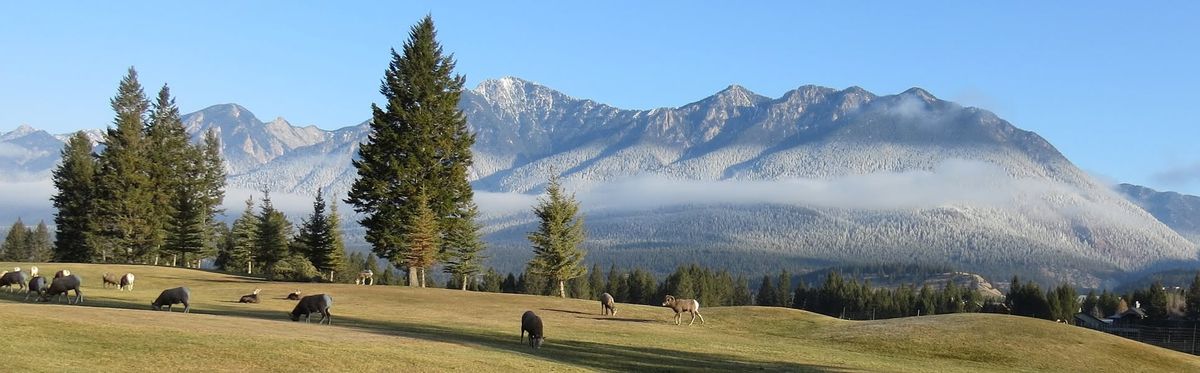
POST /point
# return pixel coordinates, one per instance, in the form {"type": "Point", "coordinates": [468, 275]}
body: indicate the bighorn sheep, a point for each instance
{"type": "Point", "coordinates": [62, 273]}
{"type": "Point", "coordinates": [295, 295]}
{"type": "Point", "coordinates": [126, 282]}
{"type": "Point", "coordinates": [531, 323]}
{"type": "Point", "coordinates": [317, 303]}
{"type": "Point", "coordinates": [37, 285]}
{"type": "Point", "coordinates": [170, 297]}
{"type": "Point", "coordinates": [252, 298]}
{"type": "Point", "coordinates": [61, 285]}
{"type": "Point", "coordinates": [13, 280]}
{"type": "Point", "coordinates": [33, 271]}
{"type": "Point", "coordinates": [110, 279]}
{"type": "Point", "coordinates": [365, 278]}
{"type": "Point", "coordinates": [607, 305]}
{"type": "Point", "coordinates": [684, 305]}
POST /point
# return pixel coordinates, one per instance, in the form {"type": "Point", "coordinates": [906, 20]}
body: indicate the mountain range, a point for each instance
{"type": "Point", "coordinates": [814, 177]}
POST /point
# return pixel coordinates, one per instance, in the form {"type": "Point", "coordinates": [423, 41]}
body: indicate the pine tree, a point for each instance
{"type": "Point", "coordinates": [1156, 306]}
{"type": "Point", "coordinates": [556, 251]}
{"type": "Point", "coordinates": [336, 257]}
{"type": "Point", "coordinates": [74, 201]}
{"type": "Point", "coordinates": [767, 293]}
{"type": "Point", "coordinates": [783, 290]}
{"type": "Point", "coordinates": [274, 232]}
{"type": "Point", "coordinates": [465, 246]}
{"type": "Point", "coordinates": [244, 240]}
{"type": "Point", "coordinates": [16, 245]}
{"type": "Point", "coordinates": [39, 243]}
{"type": "Point", "coordinates": [418, 142]}
{"type": "Point", "coordinates": [422, 240]}
{"type": "Point", "coordinates": [1193, 299]}
{"type": "Point", "coordinates": [211, 189]}
{"type": "Point", "coordinates": [596, 278]}
{"type": "Point", "coordinates": [167, 158]}
{"type": "Point", "coordinates": [124, 210]}
{"type": "Point", "coordinates": [741, 292]}
{"type": "Point", "coordinates": [315, 238]}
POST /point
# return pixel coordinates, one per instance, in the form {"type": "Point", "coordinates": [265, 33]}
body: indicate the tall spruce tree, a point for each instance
{"type": "Point", "coordinates": [124, 197]}
{"type": "Point", "coordinates": [16, 246]}
{"type": "Point", "coordinates": [418, 142]}
{"type": "Point", "coordinates": [39, 243]}
{"type": "Point", "coordinates": [74, 200]}
{"type": "Point", "coordinates": [168, 156]}
{"type": "Point", "coordinates": [211, 188]}
{"type": "Point", "coordinates": [274, 234]}
{"type": "Point", "coordinates": [244, 239]}
{"type": "Point", "coordinates": [337, 255]}
{"type": "Point", "coordinates": [556, 251]}
{"type": "Point", "coordinates": [422, 241]}
{"type": "Point", "coordinates": [316, 237]}
{"type": "Point", "coordinates": [465, 248]}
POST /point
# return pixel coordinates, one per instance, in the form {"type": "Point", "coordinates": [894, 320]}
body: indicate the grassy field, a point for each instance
{"type": "Point", "coordinates": [385, 328]}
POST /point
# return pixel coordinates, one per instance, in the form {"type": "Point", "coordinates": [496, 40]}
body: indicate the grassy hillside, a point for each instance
{"type": "Point", "coordinates": [388, 328]}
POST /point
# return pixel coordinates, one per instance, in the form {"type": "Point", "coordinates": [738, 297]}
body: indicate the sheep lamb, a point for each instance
{"type": "Point", "coordinates": [607, 305]}
{"type": "Point", "coordinates": [170, 297]}
{"type": "Point", "coordinates": [316, 303]}
{"type": "Point", "coordinates": [126, 282]}
{"type": "Point", "coordinates": [531, 323]}
{"type": "Point", "coordinates": [110, 279]}
{"type": "Point", "coordinates": [295, 295]}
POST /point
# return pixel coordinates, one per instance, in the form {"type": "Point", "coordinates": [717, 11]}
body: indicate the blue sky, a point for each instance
{"type": "Point", "coordinates": [1111, 85]}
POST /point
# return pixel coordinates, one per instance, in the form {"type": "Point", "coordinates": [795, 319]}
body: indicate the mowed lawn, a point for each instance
{"type": "Point", "coordinates": [388, 328]}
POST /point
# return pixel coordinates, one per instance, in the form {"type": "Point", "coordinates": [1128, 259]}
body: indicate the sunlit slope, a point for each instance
{"type": "Point", "coordinates": [385, 328]}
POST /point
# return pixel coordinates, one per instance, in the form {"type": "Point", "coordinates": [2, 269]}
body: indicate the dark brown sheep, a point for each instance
{"type": "Point", "coordinates": [531, 323]}
{"type": "Point", "coordinates": [110, 279]}
{"type": "Point", "coordinates": [684, 305]}
{"type": "Point", "coordinates": [295, 295]}
{"type": "Point", "coordinates": [251, 298]}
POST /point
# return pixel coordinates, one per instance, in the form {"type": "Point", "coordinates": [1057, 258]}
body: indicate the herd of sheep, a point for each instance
{"type": "Point", "coordinates": [64, 281]}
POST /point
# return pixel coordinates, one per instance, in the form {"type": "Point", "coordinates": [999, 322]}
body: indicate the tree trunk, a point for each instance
{"type": "Point", "coordinates": [173, 258]}
{"type": "Point", "coordinates": [413, 279]}
{"type": "Point", "coordinates": [249, 267]}
{"type": "Point", "coordinates": [422, 277]}
{"type": "Point", "coordinates": [562, 289]}
{"type": "Point", "coordinates": [156, 260]}
{"type": "Point", "coordinates": [330, 276]}
{"type": "Point", "coordinates": [464, 283]}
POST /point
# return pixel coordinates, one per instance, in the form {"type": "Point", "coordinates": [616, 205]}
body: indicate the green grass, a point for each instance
{"type": "Point", "coordinates": [386, 328]}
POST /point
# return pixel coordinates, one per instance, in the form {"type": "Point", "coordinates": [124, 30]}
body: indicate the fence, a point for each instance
{"type": "Point", "coordinates": [1178, 338]}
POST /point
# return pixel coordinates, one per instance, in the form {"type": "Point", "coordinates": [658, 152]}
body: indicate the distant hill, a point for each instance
{"type": "Point", "coordinates": [813, 178]}
{"type": "Point", "coordinates": [1181, 212]}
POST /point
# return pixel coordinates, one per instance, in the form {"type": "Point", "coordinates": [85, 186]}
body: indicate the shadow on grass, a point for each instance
{"type": "Point", "coordinates": [622, 319]}
{"type": "Point", "coordinates": [565, 311]}
{"type": "Point", "coordinates": [591, 355]}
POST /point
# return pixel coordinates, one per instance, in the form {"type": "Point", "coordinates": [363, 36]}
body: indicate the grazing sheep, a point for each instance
{"type": "Point", "coordinates": [295, 295]}
{"type": "Point", "coordinates": [170, 297]}
{"type": "Point", "coordinates": [365, 278]}
{"type": "Point", "coordinates": [9, 279]}
{"type": "Point", "coordinates": [531, 323]}
{"type": "Point", "coordinates": [684, 305]}
{"type": "Point", "coordinates": [252, 298]}
{"type": "Point", "coordinates": [110, 279]}
{"type": "Point", "coordinates": [607, 304]}
{"type": "Point", "coordinates": [61, 285]}
{"type": "Point", "coordinates": [62, 273]}
{"type": "Point", "coordinates": [37, 285]}
{"type": "Point", "coordinates": [126, 282]}
{"type": "Point", "coordinates": [313, 304]}
{"type": "Point", "coordinates": [33, 271]}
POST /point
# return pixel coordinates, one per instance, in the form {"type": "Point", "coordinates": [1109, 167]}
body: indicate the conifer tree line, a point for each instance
{"type": "Point", "coordinates": [148, 194]}
{"type": "Point", "coordinates": [264, 241]}
{"type": "Point", "coordinates": [26, 244]}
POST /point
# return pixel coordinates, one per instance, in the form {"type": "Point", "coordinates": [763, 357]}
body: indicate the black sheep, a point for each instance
{"type": "Point", "coordinates": [317, 303]}
{"type": "Point", "coordinates": [170, 297]}
{"type": "Point", "coordinates": [61, 285]}
{"type": "Point", "coordinates": [9, 279]}
{"type": "Point", "coordinates": [37, 285]}
{"type": "Point", "coordinates": [531, 323]}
